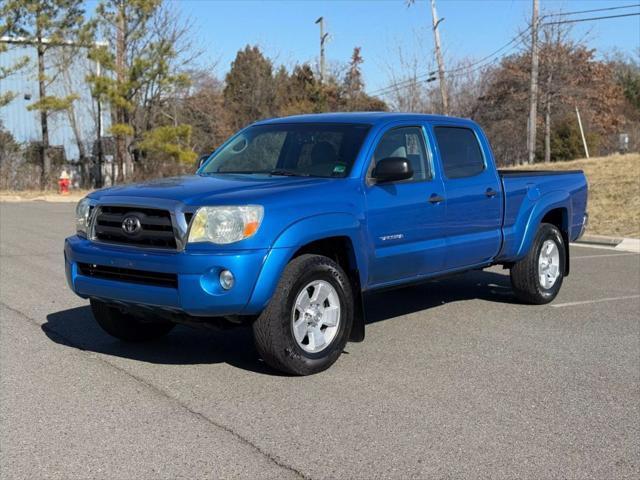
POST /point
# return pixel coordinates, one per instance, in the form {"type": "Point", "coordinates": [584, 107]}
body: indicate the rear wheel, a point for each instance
{"type": "Point", "coordinates": [125, 326]}
{"type": "Point", "coordinates": [537, 278]}
{"type": "Point", "coordinates": [307, 323]}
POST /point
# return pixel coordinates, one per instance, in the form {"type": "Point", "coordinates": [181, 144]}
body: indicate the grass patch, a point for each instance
{"type": "Point", "coordinates": [614, 192]}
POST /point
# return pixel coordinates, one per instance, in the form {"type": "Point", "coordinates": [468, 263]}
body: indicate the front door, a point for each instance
{"type": "Point", "coordinates": [404, 226]}
{"type": "Point", "coordinates": [474, 199]}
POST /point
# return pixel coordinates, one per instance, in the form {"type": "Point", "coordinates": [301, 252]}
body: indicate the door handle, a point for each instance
{"type": "Point", "coordinates": [490, 192]}
{"type": "Point", "coordinates": [435, 198]}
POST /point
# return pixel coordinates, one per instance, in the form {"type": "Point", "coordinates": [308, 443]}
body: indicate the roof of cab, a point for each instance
{"type": "Point", "coordinates": [371, 118]}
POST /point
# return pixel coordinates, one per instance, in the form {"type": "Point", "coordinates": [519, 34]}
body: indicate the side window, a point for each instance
{"type": "Point", "coordinates": [460, 152]}
{"type": "Point", "coordinates": [405, 142]}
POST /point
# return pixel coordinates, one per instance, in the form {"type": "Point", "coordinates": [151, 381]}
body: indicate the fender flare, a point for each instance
{"type": "Point", "coordinates": [297, 235]}
{"type": "Point", "coordinates": [546, 203]}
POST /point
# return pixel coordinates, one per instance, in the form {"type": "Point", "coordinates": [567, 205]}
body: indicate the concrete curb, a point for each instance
{"type": "Point", "coordinates": [600, 240]}
{"type": "Point", "coordinates": [616, 243]}
{"type": "Point", "coordinates": [629, 245]}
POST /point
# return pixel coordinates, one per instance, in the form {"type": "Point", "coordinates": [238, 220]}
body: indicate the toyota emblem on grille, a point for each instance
{"type": "Point", "coordinates": [131, 225]}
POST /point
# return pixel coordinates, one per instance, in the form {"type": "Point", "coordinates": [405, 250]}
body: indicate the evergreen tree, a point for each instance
{"type": "Point", "coordinates": [355, 98]}
{"type": "Point", "coordinates": [6, 22]}
{"type": "Point", "coordinates": [250, 92]}
{"type": "Point", "coordinates": [139, 58]}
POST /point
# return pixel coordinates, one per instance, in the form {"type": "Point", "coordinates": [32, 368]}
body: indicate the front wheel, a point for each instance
{"type": "Point", "coordinates": [307, 323]}
{"type": "Point", "coordinates": [125, 326]}
{"type": "Point", "coordinates": [537, 278]}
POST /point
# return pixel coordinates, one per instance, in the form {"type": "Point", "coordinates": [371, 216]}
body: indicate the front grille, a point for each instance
{"type": "Point", "coordinates": [157, 279]}
{"type": "Point", "coordinates": [155, 230]}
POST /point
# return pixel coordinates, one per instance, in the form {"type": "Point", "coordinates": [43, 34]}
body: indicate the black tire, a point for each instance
{"type": "Point", "coordinates": [273, 330]}
{"type": "Point", "coordinates": [127, 327]}
{"type": "Point", "coordinates": [524, 274]}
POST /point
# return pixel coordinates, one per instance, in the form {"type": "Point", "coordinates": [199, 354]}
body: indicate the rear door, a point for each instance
{"type": "Point", "coordinates": [473, 198]}
{"type": "Point", "coordinates": [405, 228]}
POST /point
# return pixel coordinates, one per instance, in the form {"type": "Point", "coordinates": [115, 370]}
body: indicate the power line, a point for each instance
{"type": "Point", "coordinates": [592, 10]}
{"type": "Point", "coordinates": [520, 36]}
{"type": "Point", "coordinates": [518, 39]}
{"type": "Point", "coordinates": [475, 66]}
{"type": "Point", "coordinates": [576, 20]}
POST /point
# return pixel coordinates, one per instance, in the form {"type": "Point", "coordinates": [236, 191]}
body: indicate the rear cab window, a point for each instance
{"type": "Point", "coordinates": [460, 152]}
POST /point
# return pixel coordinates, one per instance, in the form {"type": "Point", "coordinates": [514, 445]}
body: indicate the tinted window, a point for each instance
{"type": "Point", "coordinates": [405, 142]}
{"type": "Point", "coordinates": [460, 152]}
{"type": "Point", "coordinates": [319, 150]}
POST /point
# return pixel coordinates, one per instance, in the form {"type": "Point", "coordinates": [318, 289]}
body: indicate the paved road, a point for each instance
{"type": "Point", "coordinates": [454, 380]}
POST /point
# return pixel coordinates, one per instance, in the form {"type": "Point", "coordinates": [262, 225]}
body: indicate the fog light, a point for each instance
{"type": "Point", "coordinates": [226, 279]}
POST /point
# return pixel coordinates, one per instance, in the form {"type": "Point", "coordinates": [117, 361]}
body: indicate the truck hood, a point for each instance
{"type": "Point", "coordinates": [200, 190]}
{"type": "Point", "coordinates": [286, 200]}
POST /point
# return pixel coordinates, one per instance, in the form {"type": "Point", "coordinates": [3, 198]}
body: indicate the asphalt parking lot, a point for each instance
{"type": "Point", "coordinates": [454, 380]}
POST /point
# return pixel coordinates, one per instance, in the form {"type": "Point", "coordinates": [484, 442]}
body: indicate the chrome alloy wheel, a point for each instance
{"type": "Point", "coordinates": [315, 316]}
{"type": "Point", "coordinates": [548, 264]}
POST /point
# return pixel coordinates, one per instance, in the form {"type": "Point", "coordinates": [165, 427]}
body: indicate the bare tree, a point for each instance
{"type": "Point", "coordinates": [555, 72]}
{"type": "Point", "coordinates": [407, 89]}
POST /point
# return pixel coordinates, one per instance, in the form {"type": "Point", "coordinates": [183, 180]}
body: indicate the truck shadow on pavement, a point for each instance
{"type": "Point", "coordinates": [76, 327]}
{"type": "Point", "coordinates": [482, 285]}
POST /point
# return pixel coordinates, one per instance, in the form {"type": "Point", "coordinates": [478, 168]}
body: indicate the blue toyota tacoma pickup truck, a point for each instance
{"type": "Point", "coordinates": [289, 224]}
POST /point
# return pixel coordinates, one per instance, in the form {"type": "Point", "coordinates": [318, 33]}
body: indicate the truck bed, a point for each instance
{"type": "Point", "coordinates": [524, 189]}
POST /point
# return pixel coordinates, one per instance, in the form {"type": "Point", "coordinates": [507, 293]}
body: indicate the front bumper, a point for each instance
{"type": "Point", "coordinates": [198, 291]}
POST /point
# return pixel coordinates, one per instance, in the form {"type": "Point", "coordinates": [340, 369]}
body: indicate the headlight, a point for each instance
{"type": "Point", "coordinates": [82, 215]}
{"type": "Point", "coordinates": [225, 224]}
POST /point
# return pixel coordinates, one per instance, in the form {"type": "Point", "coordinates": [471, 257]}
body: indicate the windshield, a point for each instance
{"type": "Point", "coordinates": [298, 149]}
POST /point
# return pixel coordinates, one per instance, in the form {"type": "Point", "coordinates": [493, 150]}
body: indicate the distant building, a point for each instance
{"type": "Point", "coordinates": [24, 125]}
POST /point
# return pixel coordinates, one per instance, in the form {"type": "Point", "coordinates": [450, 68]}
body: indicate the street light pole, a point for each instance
{"type": "Point", "coordinates": [323, 39]}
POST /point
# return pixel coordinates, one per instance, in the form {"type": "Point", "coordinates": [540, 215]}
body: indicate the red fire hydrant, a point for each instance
{"type": "Point", "coordinates": [63, 183]}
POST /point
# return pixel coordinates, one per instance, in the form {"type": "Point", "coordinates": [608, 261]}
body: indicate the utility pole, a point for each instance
{"type": "Point", "coordinates": [120, 113]}
{"type": "Point", "coordinates": [323, 40]}
{"type": "Point", "coordinates": [45, 160]}
{"type": "Point", "coordinates": [533, 91]}
{"type": "Point", "coordinates": [99, 129]}
{"type": "Point", "coordinates": [436, 37]}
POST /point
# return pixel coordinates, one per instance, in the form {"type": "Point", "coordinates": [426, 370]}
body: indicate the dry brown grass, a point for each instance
{"type": "Point", "coordinates": [614, 192]}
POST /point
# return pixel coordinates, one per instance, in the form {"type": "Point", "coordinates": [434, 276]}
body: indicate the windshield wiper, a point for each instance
{"type": "Point", "coordinates": [287, 173]}
{"type": "Point", "coordinates": [236, 172]}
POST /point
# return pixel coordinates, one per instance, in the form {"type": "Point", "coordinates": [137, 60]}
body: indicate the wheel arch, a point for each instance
{"type": "Point", "coordinates": [337, 236]}
{"type": "Point", "coordinates": [554, 208]}
{"type": "Point", "coordinates": [559, 217]}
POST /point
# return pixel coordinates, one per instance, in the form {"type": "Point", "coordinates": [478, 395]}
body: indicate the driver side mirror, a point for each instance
{"type": "Point", "coordinates": [392, 169]}
{"type": "Point", "coordinates": [202, 159]}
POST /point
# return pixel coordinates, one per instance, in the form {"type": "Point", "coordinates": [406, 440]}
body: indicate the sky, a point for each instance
{"type": "Point", "coordinates": [286, 31]}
